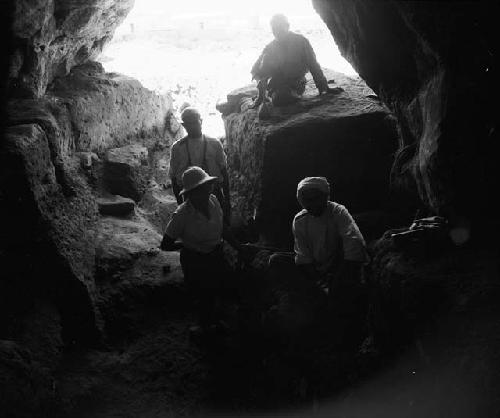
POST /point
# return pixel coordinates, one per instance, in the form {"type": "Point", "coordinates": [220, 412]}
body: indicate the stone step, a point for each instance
{"type": "Point", "coordinates": [115, 205]}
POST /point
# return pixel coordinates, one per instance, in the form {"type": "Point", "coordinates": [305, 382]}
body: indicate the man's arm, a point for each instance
{"type": "Point", "coordinates": [173, 170]}
{"type": "Point", "coordinates": [355, 255]}
{"type": "Point", "coordinates": [170, 244]}
{"type": "Point", "coordinates": [177, 190]}
{"type": "Point", "coordinates": [172, 232]}
{"type": "Point", "coordinates": [314, 68]}
{"type": "Point", "coordinates": [303, 256]}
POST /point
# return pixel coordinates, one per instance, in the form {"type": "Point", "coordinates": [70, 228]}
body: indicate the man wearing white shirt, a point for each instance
{"type": "Point", "coordinates": [197, 149]}
{"type": "Point", "coordinates": [328, 243]}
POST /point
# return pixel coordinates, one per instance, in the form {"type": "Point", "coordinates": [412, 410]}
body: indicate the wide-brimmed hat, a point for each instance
{"type": "Point", "coordinates": [194, 177]}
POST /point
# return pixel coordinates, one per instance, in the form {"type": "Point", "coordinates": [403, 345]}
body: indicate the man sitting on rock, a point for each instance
{"type": "Point", "coordinates": [197, 149]}
{"type": "Point", "coordinates": [283, 64]}
{"type": "Point", "coordinates": [329, 247]}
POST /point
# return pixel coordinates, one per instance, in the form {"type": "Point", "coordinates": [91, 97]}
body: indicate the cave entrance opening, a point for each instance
{"type": "Point", "coordinates": [199, 50]}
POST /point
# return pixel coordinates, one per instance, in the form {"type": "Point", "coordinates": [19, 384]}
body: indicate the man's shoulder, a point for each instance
{"type": "Point", "coordinates": [338, 209]}
{"type": "Point", "coordinates": [210, 139]}
{"type": "Point", "coordinates": [300, 217]}
{"type": "Point", "coordinates": [297, 37]}
{"type": "Point", "coordinates": [179, 142]}
{"type": "Point", "coordinates": [182, 209]}
{"type": "Point", "coordinates": [213, 142]}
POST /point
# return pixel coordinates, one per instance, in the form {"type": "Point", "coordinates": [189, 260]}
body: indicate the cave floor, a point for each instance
{"type": "Point", "coordinates": [163, 372]}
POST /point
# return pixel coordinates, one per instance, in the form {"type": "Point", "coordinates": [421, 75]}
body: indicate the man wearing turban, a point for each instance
{"type": "Point", "coordinates": [328, 243]}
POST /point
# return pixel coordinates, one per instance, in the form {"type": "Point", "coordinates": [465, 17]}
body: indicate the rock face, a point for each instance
{"type": "Point", "coordinates": [348, 138]}
{"type": "Point", "coordinates": [446, 300]}
{"type": "Point", "coordinates": [50, 234]}
{"type": "Point", "coordinates": [126, 171]}
{"type": "Point", "coordinates": [50, 195]}
{"type": "Point", "coordinates": [133, 275]}
{"type": "Point", "coordinates": [110, 110]}
{"type": "Point", "coordinates": [433, 65]}
{"type": "Point", "coordinates": [52, 36]}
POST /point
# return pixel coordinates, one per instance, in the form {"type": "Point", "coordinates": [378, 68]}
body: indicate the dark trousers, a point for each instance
{"type": "Point", "coordinates": [207, 277]}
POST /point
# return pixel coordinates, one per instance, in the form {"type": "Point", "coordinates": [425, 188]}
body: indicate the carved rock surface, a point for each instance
{"type": "Point", "coordinates": [48, 196]}
{"type": "Point", "coordinates": [349, 138]}
{"type": "Point", "coordinates": [110, 110]}
{"type": "Point", "coordinates": [133, 274]}
{"type": "Point", "coordinates": [53, 241]}
{"type": "Point", "coordinates": [115, 205]}
{"type": "Point", "coordinates": [126, 171]}
{"type": "Point", "coordinates": [433, 64]}
{"type": "Point", "coordinates": [52, 36]}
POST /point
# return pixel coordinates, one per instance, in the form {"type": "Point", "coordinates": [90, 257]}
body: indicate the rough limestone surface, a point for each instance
{"type": "Point", "coordinates": [133, 273]}
{"type": "Point", "coordinates": [26, 388]}
{"type": "Point", "coordinates": [348, 137]}
{"type": "Point", "coordinates": [109, 110]}
{"type": "Point", "coordinates": [115, 205]}
{"type": "Point", "coordinates": [126, 171]}
{"type": "Point", "coordinates": [52, 36]}
{"type": "Point", "coordinates": [50, 195]}
{"type": "Point", "coordinates": [432, 63]}
{"type": "Point", "coordinates": [446, 299]}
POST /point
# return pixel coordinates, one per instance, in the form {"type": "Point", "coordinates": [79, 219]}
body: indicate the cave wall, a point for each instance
{"type": "Point", "coordinates": [433, 64]}
{"type": "Point", "coordinates": [52, 36]}
{"type": "Point", "coordinates": [58, 104]}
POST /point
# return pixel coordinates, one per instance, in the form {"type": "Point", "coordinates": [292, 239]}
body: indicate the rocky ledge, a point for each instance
{"type": "Point", "coordinates": [348, 137]}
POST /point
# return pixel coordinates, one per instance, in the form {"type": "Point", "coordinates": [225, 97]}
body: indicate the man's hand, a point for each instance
{"type": "Point", "coordinates": [169, 244]}
{"type": "Point", "coordinates": [177, 189]}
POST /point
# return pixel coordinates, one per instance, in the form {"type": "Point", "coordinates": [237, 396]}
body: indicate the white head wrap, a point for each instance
{"type": "Point", "coordinates": [313, 183]}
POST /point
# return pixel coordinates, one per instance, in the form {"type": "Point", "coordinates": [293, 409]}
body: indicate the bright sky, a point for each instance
{"type": "Point", "coordinates": [233, 7]}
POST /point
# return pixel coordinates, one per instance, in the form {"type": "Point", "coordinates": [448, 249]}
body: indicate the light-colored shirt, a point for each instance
{"type": "Point", "coordinates": [196, 231]}
{"type": "Point", "coordinates": [321, 240]}
{"type": "Point", "coordinates": [204, 152]}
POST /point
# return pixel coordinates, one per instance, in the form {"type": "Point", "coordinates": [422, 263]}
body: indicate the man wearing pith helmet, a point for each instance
{"type": "Point", "coordinates": [197, 228]}
{"type": "Point", "coordinates": [197, 149]}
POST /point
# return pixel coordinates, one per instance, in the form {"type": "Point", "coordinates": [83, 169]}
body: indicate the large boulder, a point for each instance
{"type": "Point", "coordinates": [52, 36]}
{"type": "Point", "coordinates": [432, 63]}
{"type": "Point", "coordinates": [126, 171]}
{"type": "Point", "coordinates": [348, 137]}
